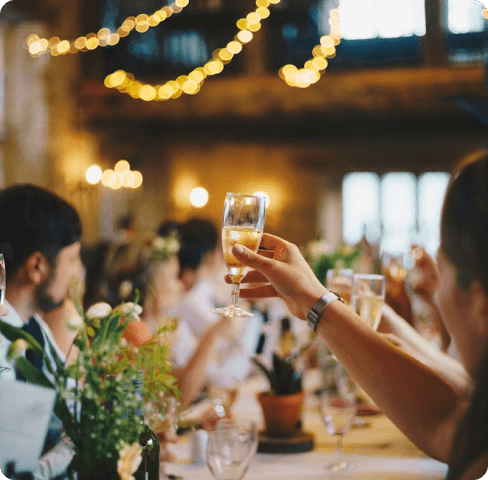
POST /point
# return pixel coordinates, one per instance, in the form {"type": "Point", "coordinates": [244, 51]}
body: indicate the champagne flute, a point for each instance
{"type": "Point", "coordinates": [339, 280]}
{"type": "Point", "coordinates": [368, 297]}
{"type": "Point", "coordinates": [338, 409]}
{"type": "Point", "coordinates": [242, 223]}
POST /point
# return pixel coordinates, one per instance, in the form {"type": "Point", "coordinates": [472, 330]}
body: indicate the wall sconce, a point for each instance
{"type": "Point", "coordinates": [199, 197]}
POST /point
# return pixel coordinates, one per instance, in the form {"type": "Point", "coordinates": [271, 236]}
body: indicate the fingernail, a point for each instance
{"type": "Point", "coordinates": [238, 249]}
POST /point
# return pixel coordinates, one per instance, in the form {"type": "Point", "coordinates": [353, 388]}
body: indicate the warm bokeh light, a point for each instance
{"type": "Point", "coordinates": [199, 197]}
{"type": "Point", "coordinates": [122, 166]}
{"type": "Point", "coordinates": [138, 179]}
{"type": "Point", "coordinates": [93, 174]}
{"type": "Point", "coordinates": [265, 195]}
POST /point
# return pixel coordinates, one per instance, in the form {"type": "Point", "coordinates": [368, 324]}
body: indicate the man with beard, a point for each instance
{"type": "Point", "coordinates": [40, 239]}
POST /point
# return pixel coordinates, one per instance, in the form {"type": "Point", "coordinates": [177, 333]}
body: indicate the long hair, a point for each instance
{"type": "Point", "coordinates": [464, 241]}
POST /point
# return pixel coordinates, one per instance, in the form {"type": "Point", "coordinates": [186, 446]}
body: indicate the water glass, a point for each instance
{"type": "Point", "coordinates": [230, 449]}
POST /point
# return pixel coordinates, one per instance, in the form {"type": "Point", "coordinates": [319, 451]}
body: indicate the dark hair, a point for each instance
{"type": "Point", "coordinates": [197, 238]}
{"type": "Point", "coordinates": [464, 241]}
{"type": "Point", "coordinates": [33, 219]}
{"type": "Point", "coordinates": [125, 222]}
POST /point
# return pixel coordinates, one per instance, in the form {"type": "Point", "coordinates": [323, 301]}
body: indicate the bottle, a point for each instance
{"type": "Point", "coordinates": [149, 442]}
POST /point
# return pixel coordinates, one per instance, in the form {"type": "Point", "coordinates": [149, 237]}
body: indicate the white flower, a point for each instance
{"type": "Point", "coordinates": [159, 243]}
{"type": "Point", "coordinates": [125, 289]}
{"type": "Point", "coordinates": [75, 322]}
{"type": "Point", "coordinates": [17, 349]}
{"type": "Point", "coordinates": [99, 310]}
{"type": "Point", "coordinates": [130, 308]}
{"type": "Point", "coordinates": [130, 457]}
{"type": "Point", "coordinates": [173, 245]}
{"type": "Point", "coordinates": [123, 342]}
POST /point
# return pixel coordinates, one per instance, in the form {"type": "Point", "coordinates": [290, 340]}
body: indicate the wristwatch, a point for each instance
{"type": "Point", "coordinates": [315, 312]}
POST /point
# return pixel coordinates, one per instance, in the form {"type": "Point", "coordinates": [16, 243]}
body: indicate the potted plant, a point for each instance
{"type": "Point", "coordinates": [282, 404]}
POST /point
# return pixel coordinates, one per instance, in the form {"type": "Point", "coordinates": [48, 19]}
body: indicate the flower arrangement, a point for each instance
{"type": "Point", "coordinates": [97, 397]}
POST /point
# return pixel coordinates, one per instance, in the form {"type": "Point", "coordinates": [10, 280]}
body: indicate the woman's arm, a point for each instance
{"type": "Point", "coordinates": [405, 337]}
{"type": "Point", "coordinates": [419, 401]}
{"type": "Point", "coordinates": [193, 375]}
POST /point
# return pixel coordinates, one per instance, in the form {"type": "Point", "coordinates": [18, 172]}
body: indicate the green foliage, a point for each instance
{"type": "Point", "coordinates": [344, 257]}
{"type": "Point", "coordinates": [96, 396]}
{"type": "Point", "coordinates": [283, 378]}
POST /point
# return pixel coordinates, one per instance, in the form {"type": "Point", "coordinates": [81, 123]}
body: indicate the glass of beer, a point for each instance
{"type": "Point", "coordinates": [368, 297]}
{"type": "Point", "coordinates": [242, 223]}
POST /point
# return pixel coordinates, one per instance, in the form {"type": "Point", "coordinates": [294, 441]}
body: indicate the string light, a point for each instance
{"type": "Point", "coordinates": [485, 13]}
{"type": "Point", "coordinates": [105, 37]}
{"type": "Point", "coordinates": [191, 84]}
{"type": "Point", "coordinates": [120, 176]}
{"type": "Point", "coordinates": [315, 67]}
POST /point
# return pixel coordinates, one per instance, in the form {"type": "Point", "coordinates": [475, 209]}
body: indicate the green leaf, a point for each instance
{"type": "Point", "coordinates": [32, 374]}
{"type": "Point", "coordinates": [13, 333]}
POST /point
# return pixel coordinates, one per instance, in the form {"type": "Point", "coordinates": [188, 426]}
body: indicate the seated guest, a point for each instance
{"type": "Point", "coordinates": [436, 417]}
{"type": "Point", "coordinates": [201, 260]}
{"type": "Point", "coordinates": [40, 240]}
{"type": "Point", "coordinates": [152, 269]}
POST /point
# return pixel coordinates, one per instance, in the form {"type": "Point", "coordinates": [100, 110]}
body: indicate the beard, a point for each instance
{"type": "Point", "coordinates": [44, 300]}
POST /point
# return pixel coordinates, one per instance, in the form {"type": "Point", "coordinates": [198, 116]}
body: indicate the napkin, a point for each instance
{"type": "Point", "coordinates": [25, 411]}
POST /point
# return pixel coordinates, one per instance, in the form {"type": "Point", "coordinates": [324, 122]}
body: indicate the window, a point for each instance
{"type": "Point", "coordinates": [382, 18]}
{"type": "Point", "coordinates": [396, 209]}
{"type": "Point", "coordinates": [465, 16]}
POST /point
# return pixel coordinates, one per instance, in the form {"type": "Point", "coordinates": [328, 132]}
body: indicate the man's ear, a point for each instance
{"type": "Point", "coordinates": [37, 268]}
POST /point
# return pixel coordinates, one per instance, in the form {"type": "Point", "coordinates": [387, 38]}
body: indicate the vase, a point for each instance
{"type": "Point", "coordinates": [281, 413]}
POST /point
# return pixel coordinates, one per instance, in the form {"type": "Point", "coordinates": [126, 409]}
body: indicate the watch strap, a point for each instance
{"type": "Point", "coordinates": [316, 311]}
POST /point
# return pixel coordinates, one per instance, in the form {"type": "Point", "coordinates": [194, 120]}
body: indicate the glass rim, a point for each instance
{"type": "Point", "coordinates": [244, 195]}
{"type": "Point", "coordinates": [369, 276]}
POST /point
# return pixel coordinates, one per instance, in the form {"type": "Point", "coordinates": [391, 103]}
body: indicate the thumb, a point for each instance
{"type": "Point", "coordinates": [249, 258]}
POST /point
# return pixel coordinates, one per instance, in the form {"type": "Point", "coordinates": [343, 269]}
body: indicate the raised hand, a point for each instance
{"type": "Point", "coordinates": [286, 275]}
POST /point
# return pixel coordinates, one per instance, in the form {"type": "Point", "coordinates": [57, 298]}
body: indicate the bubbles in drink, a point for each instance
{"type": "Point", "coordinates": [249, 237]}
{"type": "Point", "coordinates": [369, 308]}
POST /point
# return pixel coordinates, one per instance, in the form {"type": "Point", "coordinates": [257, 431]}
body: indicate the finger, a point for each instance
{"type": "Point", "coordinates": [266, 253]}
{"type": "Point", "coordinates": [250, 258]}
{"type": "Point", "coordinates": [265, 291]}
{"type": "Point", "coordinates": [271, 242]}
{"type": "Point", "coordinates": [252, 277]}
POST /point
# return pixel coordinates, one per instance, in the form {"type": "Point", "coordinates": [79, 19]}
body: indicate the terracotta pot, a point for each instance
{"type": "Point", "coordinates": [281, 413]}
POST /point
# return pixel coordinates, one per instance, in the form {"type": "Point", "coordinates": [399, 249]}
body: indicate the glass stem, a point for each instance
{"type": "Point", "coordinates": [339, 450]}
{"type": "Point", "coordinates": [234, 296]}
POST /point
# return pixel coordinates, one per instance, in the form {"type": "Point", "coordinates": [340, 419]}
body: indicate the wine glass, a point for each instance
{"type": "Point", "coordinates": [368, 297]}
{"type": "Point", "coordinates": [230, 449]}
{"type": "Point", "coordinates": [242, 223]}
{"type": "Point", "coordinates": [339, 280]}
{"type": "Point", "coordinates": [338, 409]}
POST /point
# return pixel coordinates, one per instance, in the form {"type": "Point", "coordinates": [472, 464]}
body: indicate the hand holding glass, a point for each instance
{"type": "Point", "coordinates": [340, 281]}
{"type": "Point", "coordinates": [242, 223]}
{"type": "Point", "coordinates": [368, 297]}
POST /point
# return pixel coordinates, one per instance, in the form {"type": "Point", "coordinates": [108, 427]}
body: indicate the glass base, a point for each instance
{"type": "Point", "coordinates": [339, 466]}
{"type": "Point", "coordinates": [232, 311]}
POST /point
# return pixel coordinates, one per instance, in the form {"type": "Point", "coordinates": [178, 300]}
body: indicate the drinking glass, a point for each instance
{"type": "Point", "coordinates": [368, 297]}
{"type": "Point", "coordinates": [230, 449]}
{"type": "Point", "coordinates": [242, 223]}
{"type": "Point", "coordinates": [339, 280]}
{"type": "Point", "coordinates": [3, 279]}
{"type": "Point", "coordinates": [338, 409]}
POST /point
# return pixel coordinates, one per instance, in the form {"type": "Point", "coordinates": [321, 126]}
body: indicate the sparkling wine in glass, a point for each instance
{"type": "Point", "coordinates": [368, 297]}
{"type": "Point", "coordinates": [242, 223]}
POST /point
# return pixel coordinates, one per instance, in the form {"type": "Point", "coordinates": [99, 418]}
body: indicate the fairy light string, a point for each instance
{"type": "Point", "coordinates": [315, 67]}
{"type": "Point", "coordinates": [191, 84]}
{"type": "Point", "coordinates": [105, 37]}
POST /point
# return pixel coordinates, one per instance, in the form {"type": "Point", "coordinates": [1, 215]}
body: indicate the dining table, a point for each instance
{"type": "Point", "coordinates": [374, 445]}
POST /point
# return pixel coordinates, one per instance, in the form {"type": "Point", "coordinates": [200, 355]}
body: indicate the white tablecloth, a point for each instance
{"type": "Point", "coordinates": [378, 450]}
